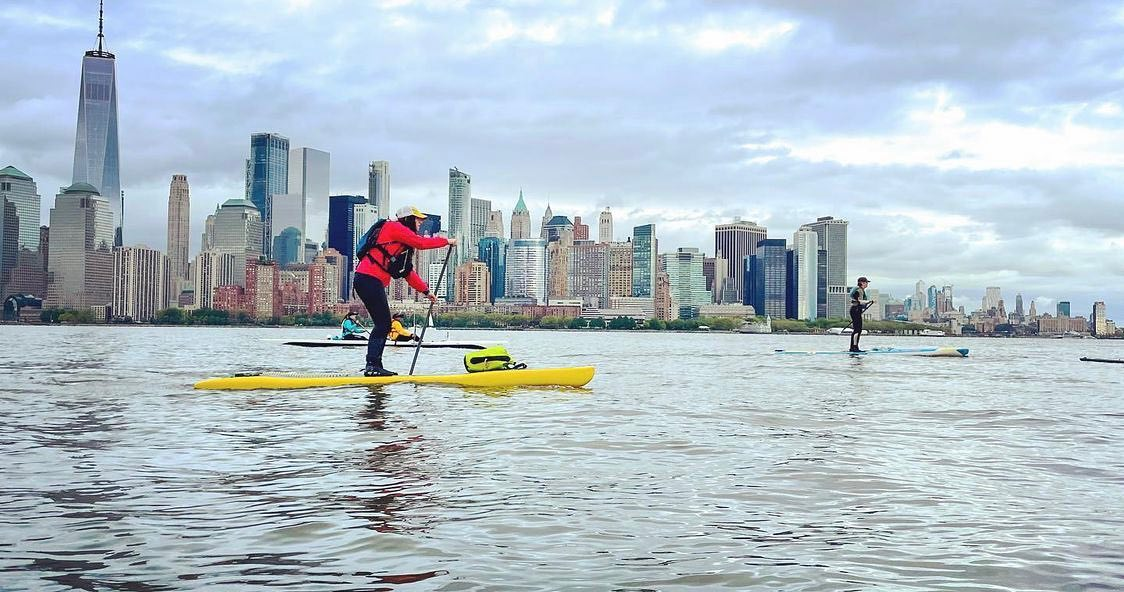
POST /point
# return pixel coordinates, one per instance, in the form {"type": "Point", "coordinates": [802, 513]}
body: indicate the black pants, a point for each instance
{"type": "Point", "coordinates": [373, 294]}
{"type": "Point", "coordinates": [856, 325]}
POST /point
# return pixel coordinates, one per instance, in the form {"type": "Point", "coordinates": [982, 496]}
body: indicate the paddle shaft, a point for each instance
{"type": "Point", "coordinates": [436, 289]}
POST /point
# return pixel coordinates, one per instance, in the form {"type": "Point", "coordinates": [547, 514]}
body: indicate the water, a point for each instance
{"type": "Point", "coordinates": [692, 461]}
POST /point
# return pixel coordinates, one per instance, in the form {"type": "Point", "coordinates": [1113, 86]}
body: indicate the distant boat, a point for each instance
{"type": "Point", "coordinates": [704, 327]}
{"type": "Point", "coordinates": [931, 333]}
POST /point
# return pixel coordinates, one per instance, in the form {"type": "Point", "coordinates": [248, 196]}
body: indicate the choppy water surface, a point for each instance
{"type": "Point", "coordinates": [691, 462]}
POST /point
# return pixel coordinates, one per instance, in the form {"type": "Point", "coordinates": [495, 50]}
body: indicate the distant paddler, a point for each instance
{"type": "Point", "coordinates": [398, 333]}
{"type": "Point", "coordinates": [859, 304]}
{"type": "Point", "coordinates": [351, 329]}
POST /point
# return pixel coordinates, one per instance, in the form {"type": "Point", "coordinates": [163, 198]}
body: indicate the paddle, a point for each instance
{"type": "Point", "coordinates": [436, 289]}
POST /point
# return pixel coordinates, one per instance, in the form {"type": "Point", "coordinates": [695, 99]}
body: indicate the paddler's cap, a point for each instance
{"type": "Point", "coordinates": [863, 279]}
{"type": "Point", "coordinates": [406, 211]}
{"type": "Point", "coordinates": [396, 315]}
{"type": "Point", "coordinates": [352, 314]}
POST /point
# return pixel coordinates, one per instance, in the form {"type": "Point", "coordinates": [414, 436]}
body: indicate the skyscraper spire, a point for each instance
{"type": "Point", "coordinates": [100, 52]}
{"type": "Point", "coordinates": [101, 21]}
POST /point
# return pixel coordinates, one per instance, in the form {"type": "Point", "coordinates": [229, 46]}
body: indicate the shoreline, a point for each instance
{"type": "Point", "coordinates": [541, 330]}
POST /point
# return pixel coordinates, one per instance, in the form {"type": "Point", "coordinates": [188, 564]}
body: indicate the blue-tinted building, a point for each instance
{"type": "Point", "coordinates": [431, 225]}
{"type": "Point", "coordinates": [269, 175]}
{"type": "Point", "coordinates": [766, 278]}
{"type": "Point", "coordinates": [96, 152]}
{"type": "Point", "coordinates": [791, 286]}
{"type": "Point", "coordinates": [342, 220]}
{"type": "Point", "coordinates": [1063, 308]}
{"type": "Point", "coordinates": [493, 252]}
{"type": "Point", "coordinates": [288, 245]}
{"type": "Point", "coordinates": [644, 261]}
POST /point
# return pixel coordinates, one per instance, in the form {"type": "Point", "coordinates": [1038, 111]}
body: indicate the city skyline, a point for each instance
{"type": "Point", "coordinates": [997, 200]}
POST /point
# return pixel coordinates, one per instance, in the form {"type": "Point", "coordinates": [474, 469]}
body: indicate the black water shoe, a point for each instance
{"type": "Point", "coordinates": [377, 371]}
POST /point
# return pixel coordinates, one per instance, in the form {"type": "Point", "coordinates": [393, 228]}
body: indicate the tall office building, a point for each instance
{"type": "Point", "coordinates": [557, 226]}
{"type": "Point", "coordinates": [263, 289]}
{"type": "Point", "coordinates": [644, 260]}
{"type": "Point", "coordinates": [269, 175]}
{"type": "Point", "coordinates": [309, 176]}
{"type": "Point", "coordinates": [140, 276]}
{"type": "Point", "coordinates": [493, 252]}
{"type": "Point", "coordinates": [1019, 306]}
{"type": "Point", "coordinates": [9, 241]}
{"type": "Point", "coordinates": [238, 231]}
{"type": "Point", "coordinates": [495, 224]}
{"type": "Point", "coordinates": [473, 284]}
{"type": "Point", "coordinates": [460, 209]}
{"type": "Point", "coordinates": [767, 278]}
{"type": "Point", "coordinates": [349, 216]}
{"type": "Point", "coordinates": [210, 270]}
{"type": "Point", "coordinates": [558, 265]}
{"type": "Point", "coordinates": [620, 269]}
{"type": "Point", "coordinates": [480, 211]}
{"type": "Point", "coordinates": [20, 190]}
{"type": "Point", "coordinates": [520, 219]}
{"type": "Point", "coordinates": [378, 187]}
{"type": "Point", "coordinates": [605, 227]}
{"type": "Point", "coordinates": [805, 262]}
{"type": "Point", "coordinates": [581, 231]}
{"type": "Point", "coordinates": [179, 231]}
{"type": "Point", "coordinates": [1098, 321]}
{"type": "Point", "coordinates": [460, 222]}
{"type": "Point", "coordinates": [288, 227]}
{"type": "Point", "coordinates": [686, 282]}
{"type": "Point", "coordinates": [1063, 308]}
{"type": "Point", "coordinates": [80, 264]}
{"type": "Point", "coordinates": [589, 274]}
{"type": "Point", "coordinates": [991, 298]}
{"type": "Point", "coordinates": [831, 236]}
{"type": "Point", "coordinates": [546, 218]}
{"type": "Point", "coordinates": [526, 269]}
{"type": "Point", "coordinates": [96, 151]}
{"type": "Point", "coordinates": [736, 241]}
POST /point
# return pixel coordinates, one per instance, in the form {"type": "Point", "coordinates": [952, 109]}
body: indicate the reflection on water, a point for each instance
{"type": "Point", "coordinates": [691, 462]}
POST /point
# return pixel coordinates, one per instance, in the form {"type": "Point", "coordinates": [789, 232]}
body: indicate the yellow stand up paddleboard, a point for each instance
{"type": "Point", "coordinates": [577, 376]}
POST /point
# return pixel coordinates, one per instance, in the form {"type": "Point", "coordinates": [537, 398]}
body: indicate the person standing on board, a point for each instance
{"type": "Point", "coordinates": [398, 333]}
{"type": "Point", "coordinates": [351, 327]}
{"type": "Point", "coordinates": [859, 304]}
{"type": "Point", "coordinates": [390, 255]}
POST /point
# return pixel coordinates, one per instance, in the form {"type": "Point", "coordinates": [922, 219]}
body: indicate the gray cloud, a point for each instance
{"type": "Point", "coordinates": [641, 111]}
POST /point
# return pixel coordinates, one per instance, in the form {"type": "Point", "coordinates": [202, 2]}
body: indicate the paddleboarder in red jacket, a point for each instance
{"type": "Point", "coordinates": [391, 255]}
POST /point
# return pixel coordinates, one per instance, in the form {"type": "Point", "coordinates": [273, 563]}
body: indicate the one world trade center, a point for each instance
{"type": "Point", "coordinates": [96, 153]}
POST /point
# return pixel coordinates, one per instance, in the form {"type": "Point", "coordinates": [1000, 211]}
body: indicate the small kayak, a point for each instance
{"type": "Point", "coordinates": [932, 352]}
{"type": "Point", "coordinates": [1102, 360]}
{"type": "Point", "coordinates": [363, 343]}
{"type": "Point", "coordinates": [576, 376]}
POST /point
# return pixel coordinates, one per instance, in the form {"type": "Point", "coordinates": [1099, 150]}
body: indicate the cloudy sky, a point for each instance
{"type": "Point", "coordinates": [968, 143]}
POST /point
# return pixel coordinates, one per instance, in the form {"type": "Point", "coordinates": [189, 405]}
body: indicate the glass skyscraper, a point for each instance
{"type": "Point", "coordinates": [378, 187]}
{"type": "Point", "coordinates": [269, 176]}
{"type": "Point", "coordinates": [347, 219]}
{"type": "Point", "coordinates": [20, 190]}
{"type": "Point", "coordinates": [644, 260]}
{"type": "Point", "coordinates": [493, 252]}
{"type": "Point", "coordinates": [96, 152]}
{"type": "Point", "coordinates": [832, 298]}
{"type": "Point", "coordinates": [766, 278]}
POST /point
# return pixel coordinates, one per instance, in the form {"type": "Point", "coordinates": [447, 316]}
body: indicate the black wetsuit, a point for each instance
{"type": "Point", "coordinates": [857, 296]}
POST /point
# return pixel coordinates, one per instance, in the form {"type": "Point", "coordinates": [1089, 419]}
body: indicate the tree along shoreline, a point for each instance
{"type": "Point", "coordinates": [474, 320]}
